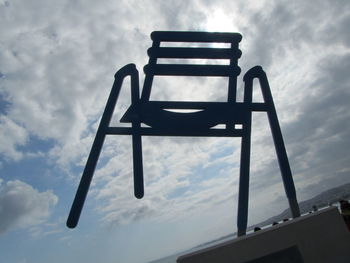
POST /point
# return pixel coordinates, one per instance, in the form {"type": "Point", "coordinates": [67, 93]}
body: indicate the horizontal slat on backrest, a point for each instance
{"type": "Point", "coordinates": [192, 70]}
{"type": "Point", "coordinates": [178, 36]}
{"type": "Point", "coordinates": [210, 53]}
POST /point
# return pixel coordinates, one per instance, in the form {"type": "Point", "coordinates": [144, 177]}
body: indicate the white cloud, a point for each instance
{"type": "Point", "coordinates": [22, 206]}
{"type": "Point", "coordinates": [57, 63]}
{"type": "Point", "coordinates": [12, 135]}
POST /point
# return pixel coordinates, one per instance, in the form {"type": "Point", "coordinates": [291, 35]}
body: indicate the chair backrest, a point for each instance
{"type": "Point", "coordinates": [231, 54]}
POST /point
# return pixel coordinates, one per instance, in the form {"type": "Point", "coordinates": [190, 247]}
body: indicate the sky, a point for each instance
{"type": "Point", "coordinates": [57, 62]}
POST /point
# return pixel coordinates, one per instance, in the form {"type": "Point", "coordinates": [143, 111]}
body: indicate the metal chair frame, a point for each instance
{"type": "Point", "coordinates": [164, 123]}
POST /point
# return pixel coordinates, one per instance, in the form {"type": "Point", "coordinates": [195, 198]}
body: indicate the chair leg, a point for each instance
{"type": "Point", "coordinates": [137, 161]}
{"type": "Point", "coordinates": [279, 146]}
{"type": "Point", "coordinates": [243, 195]}
{"type": "Point", "coordinates": [136, 139]}
{"type": "Point", "coordinates": [283, 162]}
{"type": "Point", "coordinates": [84, 185]}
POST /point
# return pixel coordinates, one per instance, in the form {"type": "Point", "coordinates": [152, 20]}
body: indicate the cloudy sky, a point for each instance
{"type": "Point", "coordinates": [57, 61]}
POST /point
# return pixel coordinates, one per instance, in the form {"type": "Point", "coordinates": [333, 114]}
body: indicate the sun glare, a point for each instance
{"type": "Point", "coordinates": [220, 22]}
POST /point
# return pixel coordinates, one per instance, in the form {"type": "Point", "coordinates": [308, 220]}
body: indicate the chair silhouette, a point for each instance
{"type": "Point", "coordinates": [235, 117]}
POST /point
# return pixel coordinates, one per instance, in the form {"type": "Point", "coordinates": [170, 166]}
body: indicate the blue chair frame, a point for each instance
{"type": "Point", "coordinates": [162, 122]}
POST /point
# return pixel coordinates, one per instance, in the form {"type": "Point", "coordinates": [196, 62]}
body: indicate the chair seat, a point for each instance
{"type": "Point", "coordinates": [206, 116]}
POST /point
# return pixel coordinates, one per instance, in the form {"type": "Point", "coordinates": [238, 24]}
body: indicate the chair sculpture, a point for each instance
{"type": "Point", "coordinates": [234, 117]}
